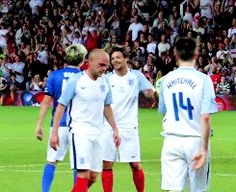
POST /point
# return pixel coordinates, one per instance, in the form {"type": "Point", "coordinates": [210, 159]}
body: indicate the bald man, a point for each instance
{"type": "Point", "coordinates": [87, 97]}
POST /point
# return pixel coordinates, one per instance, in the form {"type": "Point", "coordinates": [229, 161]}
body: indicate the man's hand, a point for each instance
{"type": "Point", "coordinates": [199, 159]}
{"type": "Point", "coordinates": [54, 141]}
{"type": "Point", "coordinates": [116, 138]}
{"type": "Point", "coordinates": [39, 133]}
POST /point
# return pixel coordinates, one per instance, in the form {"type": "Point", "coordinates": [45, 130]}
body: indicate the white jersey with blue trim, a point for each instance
{"type": "Point", "coordinates": [85, 99]}
{"type": "Point", "coordinates": [125, 93]}
{"type": "Point", "coordinates": [185, 95]}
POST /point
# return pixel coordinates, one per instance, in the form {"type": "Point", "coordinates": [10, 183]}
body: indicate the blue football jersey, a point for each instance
{"type": "Point", "coordinates": [56, 84]}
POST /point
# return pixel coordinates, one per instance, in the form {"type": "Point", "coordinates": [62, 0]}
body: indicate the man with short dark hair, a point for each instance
{"type": "Point", "coordinates": [187, 99]}
{"type": "Point", "coordinates": [126, 84]}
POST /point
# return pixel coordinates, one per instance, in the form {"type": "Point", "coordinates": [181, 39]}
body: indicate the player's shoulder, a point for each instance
{"type": "Point", "coordinates": [69, 69]}
{"type": "Point", "coordinates": [136, 73]}
{"type": "Point", "coordinates": [78, 75]}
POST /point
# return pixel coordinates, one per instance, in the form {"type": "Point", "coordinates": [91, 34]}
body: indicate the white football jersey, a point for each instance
{"type": "Point", "coordinates": [85, 99]}
{"type": "Point", "coordinates": [185, 95]}
{"type": "Point", "coordinates": [125, 94]}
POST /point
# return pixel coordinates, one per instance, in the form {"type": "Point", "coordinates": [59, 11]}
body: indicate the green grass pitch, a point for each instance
{"type": "Point", "coordinates": [22, 157]}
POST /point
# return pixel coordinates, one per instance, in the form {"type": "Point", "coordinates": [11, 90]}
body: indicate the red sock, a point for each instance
{"type": "Point", "coordinates": [81, 185]}
{"type": "Point", "coordinates": [107, 180]}
{"type": "Point", "coordinates": [138, 177]}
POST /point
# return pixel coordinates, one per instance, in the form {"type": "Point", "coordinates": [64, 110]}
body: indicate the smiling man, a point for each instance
{"type": "Point", "coordinates": [125, 86]}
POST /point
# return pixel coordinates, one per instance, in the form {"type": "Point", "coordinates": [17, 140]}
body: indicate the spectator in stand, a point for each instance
{"type": "Point", "coordinates": [159, 20]}
{"type": "Point", "coordinates": [223, 87]}
{"type": "Point", "coordinates": [188, 15]}
{"type": "Point", "coordinates": [152, 44]}
{"type": "Point", "coordinates": [17, 73]}
{"type": "Point", "coordinates": [143, 40]}
{"type": "Point", "coordinates": [165, 64]}
{"type": "Point", "coordinates": [115, 24]}
{"type": "Point", "coordinates": [138, 4]}
{"type": "Point", "coordinates": [198, 28]}
{"type": "Point", "coordinates": [216, 76]}
{"type": "Point", "coordinates": [92, 39]}
{"type": "Point", "coordinates": [150, 67]}
{"type": "Point", "coordinates": [233, 82]}
{"type": "Point", "coordinates": [140, 57]}
{"type": "Point", "coordinates": [232, 29]}
{"type": "Point", "coordinates": [211, 50]}
{"type": "Point", "coordinates": [222, 52]}
{"type": "Point", "coordinates": [135, 27]}
{"type": "Point", "coordinates": [194, 6]}
{"type": "Point", "coordinates": [100, 22]}
{"type": "Point", "coordinates": [36, 84]}
{"type": "Point", "coordinates": [163, 45]}
{"type": "Point", "coordinates": [5, 68]}
{"type": "Point", "coordinates": [211, 65]}
{"type": "Point", "coordinates": [206, 7]}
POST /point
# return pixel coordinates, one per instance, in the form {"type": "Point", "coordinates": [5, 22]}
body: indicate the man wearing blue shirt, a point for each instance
{"type": "Point", "coordinates": [57, 81]}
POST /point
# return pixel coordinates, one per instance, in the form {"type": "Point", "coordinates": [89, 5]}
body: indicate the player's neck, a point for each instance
{"type": "Point", "coordinates": [91, 75]}
{"type": "Point", "coordinates": [72, 66]}
{"type": "Point", "coordinates": [187, 63]}
{"type": "Point", "coordinates": [122, 71]}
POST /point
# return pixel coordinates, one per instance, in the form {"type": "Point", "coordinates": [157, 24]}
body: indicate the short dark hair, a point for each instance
{"type": "Point", "coordinates": [121, 49]}
{"type": "Point", "coordinates": [185, 48]}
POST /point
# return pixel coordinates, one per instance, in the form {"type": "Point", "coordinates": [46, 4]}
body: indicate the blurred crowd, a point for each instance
{"type": "Point", "coordinates": [34, 34]}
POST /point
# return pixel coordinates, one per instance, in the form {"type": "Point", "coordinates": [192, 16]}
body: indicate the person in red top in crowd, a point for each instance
{"type": "Point", "coordinates": [85, 65]}
{"type": "Point", "coordinates": [92, 39]}
{"type": "Point", "coordinates": [216, 76]}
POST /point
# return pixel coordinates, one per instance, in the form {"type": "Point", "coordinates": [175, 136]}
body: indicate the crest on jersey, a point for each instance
{"type": "Point", "coordinates": [102, 87]}
{"type": "Point", "coordinates": [82, 160]}
{"type": "Point", "coordinates": [131, 82]}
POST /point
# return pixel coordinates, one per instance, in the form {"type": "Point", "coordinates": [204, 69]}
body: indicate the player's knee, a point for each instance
{"type": "Point", "coordinates": [92, 179]}
{"type": "Point", "coordinates": [107, 165]}
{"type": "Point", "coordinates": [135, 166]}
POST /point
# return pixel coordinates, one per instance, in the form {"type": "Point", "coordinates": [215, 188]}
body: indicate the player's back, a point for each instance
{"type": "Point", "coordinates": [56, 84]}
{"type": "Point", "coordinates": [183, 95]}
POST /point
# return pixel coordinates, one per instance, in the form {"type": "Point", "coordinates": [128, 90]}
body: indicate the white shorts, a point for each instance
{"type": "Point", "coordinates": [86, 153]}
{"type": "Point", "coordinates": [64, 138]}
{"type": "Point", "coordinates": [129, 149]}
{"type": "Point", "coordinates": [176, 165]}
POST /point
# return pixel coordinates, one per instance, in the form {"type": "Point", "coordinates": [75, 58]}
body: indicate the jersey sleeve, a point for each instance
{"type": "Point", "coordinates": [144, 84]}
{"type": "Point", "coordinates": [49, 85]}
{"type": "Point", "coordinates": [69, 91]}
{"type": "Point", "coordinates": [208, 104]}
{"type": "Point", "coordinates": [161, 103]}
{"type": "Point", "coordinates": [108, 99]}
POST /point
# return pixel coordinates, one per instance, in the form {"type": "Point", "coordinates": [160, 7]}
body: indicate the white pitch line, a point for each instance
{"type": "Point", "coordinates": [142, 138]}
{"type": "Point", "coordinates": [144, 160]}
{"type": "Point", "coordinates": [120, 173]}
